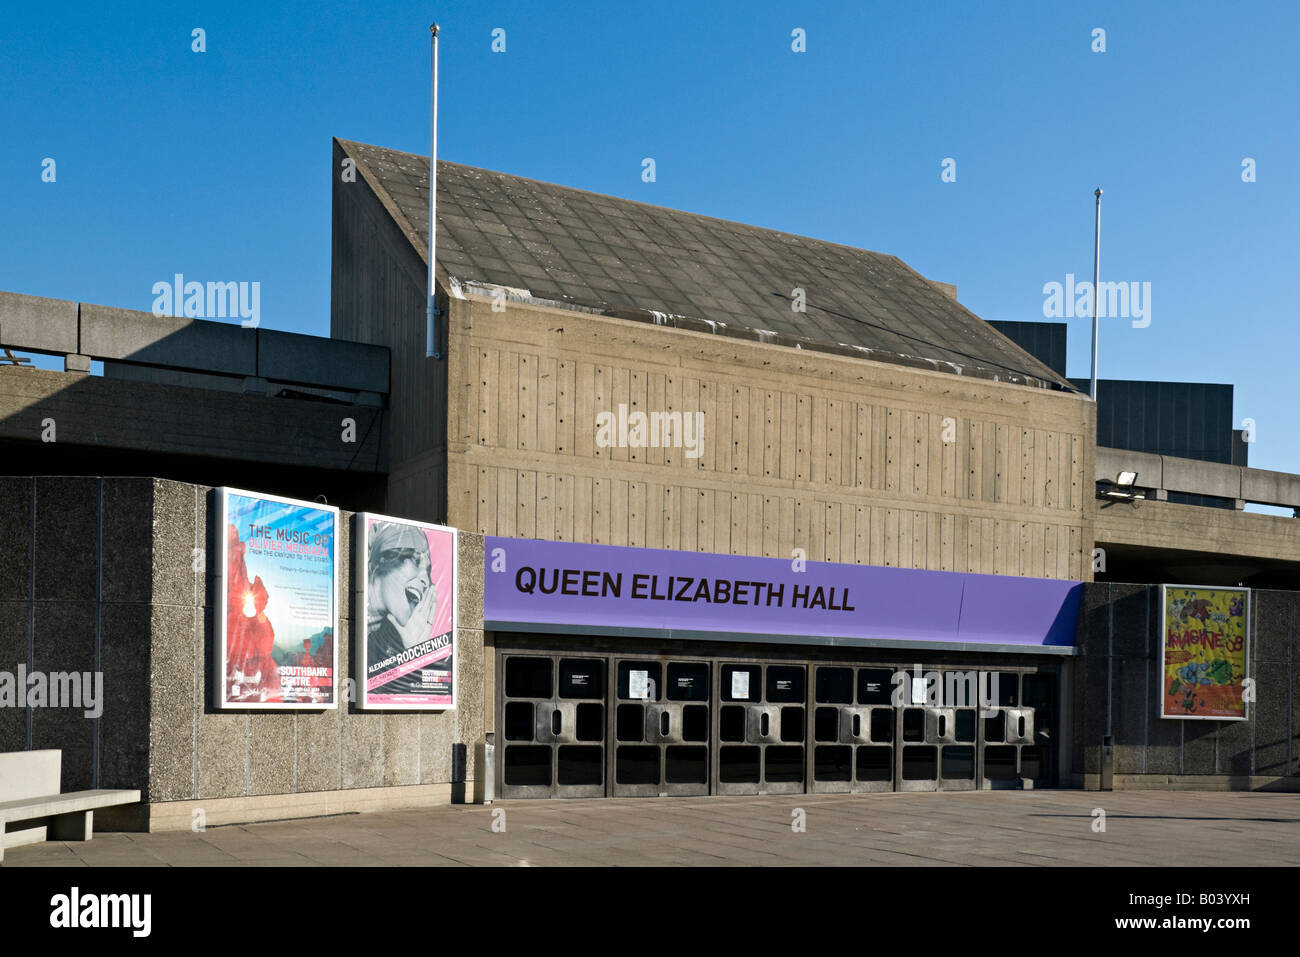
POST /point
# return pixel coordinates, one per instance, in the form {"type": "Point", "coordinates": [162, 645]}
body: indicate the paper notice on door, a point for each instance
{"type": "Point", "coordinates": [918, 690]}
{"type": "Point", "coordinates": [740, 685]}
{"type": "Point", "coordinates": [638, 685]}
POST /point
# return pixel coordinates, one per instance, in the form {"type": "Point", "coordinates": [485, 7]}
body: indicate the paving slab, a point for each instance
{"type": "Point", "coordinates": [979, 828]}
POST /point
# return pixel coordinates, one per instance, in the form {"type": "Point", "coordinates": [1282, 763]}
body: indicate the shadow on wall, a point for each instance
{"type": "Point", "coordinates": [115, 576]}
{"type": "Point", "coordinates": [191, 399]}
{"type": "Point", "coordinates": [1117, 691]}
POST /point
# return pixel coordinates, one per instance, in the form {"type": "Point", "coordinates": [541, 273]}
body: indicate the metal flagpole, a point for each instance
{"type": "Point", "coordinates": [431, 344]}
{"type": "Point", "coordinates": [1096, 291]}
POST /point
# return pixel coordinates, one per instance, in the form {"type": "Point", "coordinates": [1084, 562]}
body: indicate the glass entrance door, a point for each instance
{"type": "Point", "coordinates": [939, 722]}
{"type": "Point", "coordinates": [587, 725]}
{"type": "Point", "coordinates": [662, 726]}
{"type": "Point", "coordinates": [553, 726]}
{"type": "Point", "coordinates": [853, 730]}
{"type": "Point", "coordinates": [1019, 741]}
{"type": "Point", "coordinates": [762, 712]}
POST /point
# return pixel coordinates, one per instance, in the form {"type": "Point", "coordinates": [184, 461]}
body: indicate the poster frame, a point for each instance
{"type": "Point", "coordinates": [361, 600]}
{"type": "Point", "coordinates": [1164, 638]}
{"type": "Point", "coordinates": [219, 596]}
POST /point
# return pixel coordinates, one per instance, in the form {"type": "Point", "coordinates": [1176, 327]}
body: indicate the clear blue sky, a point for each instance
{"type": "Point", "coordinates": [217, 164]}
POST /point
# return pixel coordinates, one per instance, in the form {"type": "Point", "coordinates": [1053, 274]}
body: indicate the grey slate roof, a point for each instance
{"type": "Point", "coordinates": [637, 261]}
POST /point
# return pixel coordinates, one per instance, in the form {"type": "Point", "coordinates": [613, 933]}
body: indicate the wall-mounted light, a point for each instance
{"type": "Point", "coordinates": [1123, 488]}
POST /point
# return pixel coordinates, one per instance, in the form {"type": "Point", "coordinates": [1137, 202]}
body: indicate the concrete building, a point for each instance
{"type": "Point", "coordinates": [854, 478]}
{"type": "Point", "coordinates": [1191, 420]}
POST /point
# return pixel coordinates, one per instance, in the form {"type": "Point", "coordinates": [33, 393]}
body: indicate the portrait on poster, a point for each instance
{"type": "Point", "coordinates": [406, 625]}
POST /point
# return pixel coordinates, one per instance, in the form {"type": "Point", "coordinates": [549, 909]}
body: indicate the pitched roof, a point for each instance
{"type": "Point", "coordinates": [636, 261]}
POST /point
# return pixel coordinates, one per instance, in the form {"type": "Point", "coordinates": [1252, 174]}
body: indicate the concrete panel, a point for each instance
{"type": "Point", "coordinates": [128, 540]}
{"type": "Point", "coordinates": [1094, 710]}
{"type": "Point", "coordinates": [401, 749]}
{"type": "Point", "coordinates": [177, 692]}
{"type": "Point", "coordinates": [312, 360]}
{"type": "Point", "coordinates": [124, 738]}
{"type": "Point", "coordinates": [1201, 478]}
{"type": "Point", "coordinates": [470, 703]}
{"type": "Point", "coordinates": [16, 533]}
{"type": "Point", "coordinates": [1129, 724]}
{"type": "Point", "coordinates": [1236, 747]}
{"type": "Point", "coordinates": [64, 642]}
{"type": "Point", "coordinates": [437, 734]}
{"type": "Point", "coordinates": [1092, 635]}
{"type": "Point", "coordinates": [469, 600]}
{"type": "Point", "coordinates": [343, 551]}
{"type": "Point", "coordinates": [490, 401]}
{"type": "Point", "coordinates": [223, 754]}
{"type": "Point", "coordinates": [205, 578]}
{"type": "Point", "coordinates": [1164, 737]}
{"type": "Point", "coordinates": [1199, 747]}
{"type": "Point", "coordinates": [110, 333]}
{"type": "Point", "coordinates": [1131, 610]}
{"type": "Point", "coordinates": [318, 751]}
{"type": "Point", "coordinates": [13, 652]}
{"type": "Point", "coordinates": [1110, 462]}
{"type": "Point", "coordinates": [66, 532]}
{"type": "Point", "coordinates": [1218, 533]}
{"type": "Point", "coordinates": [271, 751]}
{"type": "Point", "coordinates": [1293, 739]}
{"type": "Point", "coordinates": [36, 324]}
{"type": "Point", "coordinates": [359, 760]}
{"type": "Point", "coordinates": [1077, 698]}
{"type": "Point", "coordinates": [122, 417]}
{"type": "Point", "coordinates": [176, 533]}
{"type": "Point", "coordinates": [1268, 714]}
{"type": "Point", "coordinates": [1175, 474]}
{"type": "Point", "coordinates": [1270, 488]}
{"type": "Point", "coordinates": [177, 377]}
{"type": "Point", "coordinates": [1271, 626]}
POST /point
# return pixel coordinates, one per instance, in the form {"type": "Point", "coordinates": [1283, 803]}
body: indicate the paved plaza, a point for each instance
{"type": "Point", "coordinates": [975, 828]}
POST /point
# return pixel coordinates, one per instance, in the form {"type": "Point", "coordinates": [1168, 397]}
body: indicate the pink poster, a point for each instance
{"type": "Point", "coordinates": [408, 597]}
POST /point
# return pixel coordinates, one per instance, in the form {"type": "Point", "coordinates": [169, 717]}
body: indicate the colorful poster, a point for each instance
{"type": "Point", "coordinates": [1204, 655]}
{"type": "Point", "coordinates": [408, 626]}
{"type": "Point", "coordinates": [276, 646]}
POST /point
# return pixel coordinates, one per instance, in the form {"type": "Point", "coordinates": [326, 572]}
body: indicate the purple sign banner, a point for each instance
{"type": "Point", "coordinates": [531, 582]}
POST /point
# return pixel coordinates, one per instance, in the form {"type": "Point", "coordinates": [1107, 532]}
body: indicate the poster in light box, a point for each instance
{"type": "Point", "coordinates": [276, 646]}
{"type": "Point", "coordinates": [407, 647]}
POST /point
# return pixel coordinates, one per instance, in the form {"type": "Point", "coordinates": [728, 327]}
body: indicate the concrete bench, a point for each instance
{"type": "Point", "coordinates": [32, 809]}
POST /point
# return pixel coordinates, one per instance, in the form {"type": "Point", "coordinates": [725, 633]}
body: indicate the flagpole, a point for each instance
{"type": "Point", "coordinates": [431, 338]}
{"type": "Point", "coordinates": [1096, 291]}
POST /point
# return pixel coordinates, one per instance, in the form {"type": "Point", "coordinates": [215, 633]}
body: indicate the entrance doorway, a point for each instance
{"type": "Point", "coordinates": [663, 724]}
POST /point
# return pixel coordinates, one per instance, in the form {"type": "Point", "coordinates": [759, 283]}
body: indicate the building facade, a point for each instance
{"type": "Point", "coordinates": [738, 512]}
